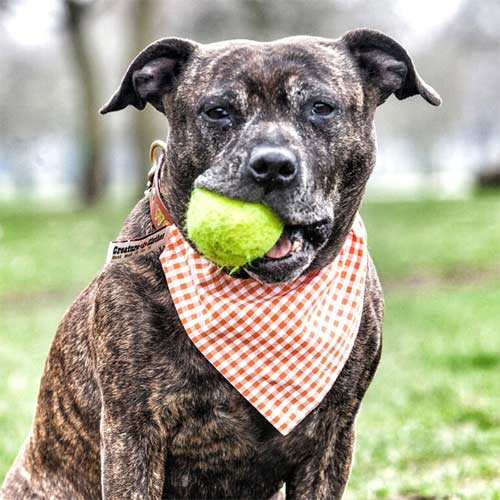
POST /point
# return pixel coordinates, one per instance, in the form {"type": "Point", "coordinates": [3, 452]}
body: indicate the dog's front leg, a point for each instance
{"type": "Point", "coordinates": [132, 458]}
{"type": "Point", "coordinates": [324, 475]}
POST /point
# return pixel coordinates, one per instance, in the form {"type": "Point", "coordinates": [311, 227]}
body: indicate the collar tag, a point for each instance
{"type": "Point", "coordinates": [123, 249]}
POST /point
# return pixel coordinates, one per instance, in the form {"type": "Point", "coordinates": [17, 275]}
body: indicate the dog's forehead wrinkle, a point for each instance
{"type": "Point", "coordinates": [262, 64]}
{"type": "Point", "coordinates": [228, 90]}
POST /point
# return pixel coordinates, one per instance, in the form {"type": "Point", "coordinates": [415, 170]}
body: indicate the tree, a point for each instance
{"type": "Point", "coordinates": [92, 184]}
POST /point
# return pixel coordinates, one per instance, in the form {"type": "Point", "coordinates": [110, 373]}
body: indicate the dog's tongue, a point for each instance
{"type": "Point", "coordinates": [283, 247]}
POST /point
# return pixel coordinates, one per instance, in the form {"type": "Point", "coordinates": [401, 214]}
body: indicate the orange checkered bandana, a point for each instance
{"type": "Point", "coordinates": [282, 346]}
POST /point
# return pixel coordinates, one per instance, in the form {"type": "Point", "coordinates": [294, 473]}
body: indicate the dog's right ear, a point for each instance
{"type": "Point", "coordinates": [387, 67]}
{"type": "Point", "coordinates": [152, 74]}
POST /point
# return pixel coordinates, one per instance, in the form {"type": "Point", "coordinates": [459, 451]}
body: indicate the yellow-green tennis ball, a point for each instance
{"type": "Point", "coordinates": [230, 232]}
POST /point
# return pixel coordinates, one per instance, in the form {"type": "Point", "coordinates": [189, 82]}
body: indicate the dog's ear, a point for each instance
{"type": "Point", "coordinates": [152, 74]}
{"type": "Point", "coordinates": [386, 66]}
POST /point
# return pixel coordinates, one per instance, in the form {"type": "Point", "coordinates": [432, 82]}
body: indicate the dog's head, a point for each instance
{"type": "Point", "coordinates": [287, 123]}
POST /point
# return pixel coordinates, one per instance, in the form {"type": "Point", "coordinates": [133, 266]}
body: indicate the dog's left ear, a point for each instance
{"type": "Point", "coordinates": [153, 73]}
{"type": "Point", "coordinates": [386, 66]}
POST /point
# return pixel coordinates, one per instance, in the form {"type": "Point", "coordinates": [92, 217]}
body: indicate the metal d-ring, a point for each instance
{"type": "Point", "coordinates": [154, 158]}
{"type": "Point", "coordinates": [158, 144]}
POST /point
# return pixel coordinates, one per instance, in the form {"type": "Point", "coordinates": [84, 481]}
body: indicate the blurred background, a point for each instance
{"type": "Point", "coordinates": [430, 425]}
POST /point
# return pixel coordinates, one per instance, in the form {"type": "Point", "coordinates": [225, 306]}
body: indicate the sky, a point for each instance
{"type": "Point", "coordinates": [33, 22]}
{"type": "Point", "coordinates": [425, 16]}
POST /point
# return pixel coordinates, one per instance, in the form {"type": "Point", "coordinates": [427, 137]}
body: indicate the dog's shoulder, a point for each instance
{"type": "Point", "coordinates": [136, 279]}
{"type": "Point", "coordinates": [128, 290]}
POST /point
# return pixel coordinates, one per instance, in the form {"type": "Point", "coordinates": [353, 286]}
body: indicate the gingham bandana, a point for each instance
{"type": "Point", "coordinates": [281, 346]}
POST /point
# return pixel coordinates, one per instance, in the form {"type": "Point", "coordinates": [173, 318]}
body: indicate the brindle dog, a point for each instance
{"type": "Point", "coordinates": [128, 407]}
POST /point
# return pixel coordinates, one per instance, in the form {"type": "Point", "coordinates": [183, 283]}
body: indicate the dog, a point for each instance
{"type": "Point", "coordinates": [128, 407]}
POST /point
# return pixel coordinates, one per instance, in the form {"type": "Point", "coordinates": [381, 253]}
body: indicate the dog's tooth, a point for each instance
{"type": "Point", "coordinates": [297, 245]}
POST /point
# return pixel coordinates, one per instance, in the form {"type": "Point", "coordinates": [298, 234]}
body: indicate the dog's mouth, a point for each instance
{"type": "Point", "coordinates": [292, 254]}
{"type": "Point", "coordinates": [285, 247]}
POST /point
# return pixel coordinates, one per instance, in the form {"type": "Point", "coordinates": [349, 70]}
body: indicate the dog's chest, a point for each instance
{"type": "Point", "coordinates": [212, 422]}
{"type": "Point", "coordinates": [218, 435]}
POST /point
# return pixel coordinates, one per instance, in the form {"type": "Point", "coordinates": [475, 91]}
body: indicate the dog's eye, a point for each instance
{"type": "Point", "coordinates": [322, 108]}
{"type": "Point", "coordinates": [217, 113]}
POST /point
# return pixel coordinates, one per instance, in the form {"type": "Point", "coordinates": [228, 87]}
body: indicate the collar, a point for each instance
{"type": "Point", "coordinates": [161, 219]}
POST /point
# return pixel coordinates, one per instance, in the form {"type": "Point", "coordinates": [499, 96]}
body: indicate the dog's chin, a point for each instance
{"type": "Point", "coordinates": [304, 244]}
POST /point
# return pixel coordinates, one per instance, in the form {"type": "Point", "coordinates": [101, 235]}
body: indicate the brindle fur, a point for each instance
{"type": "Point", "coordinates": [128, 407]}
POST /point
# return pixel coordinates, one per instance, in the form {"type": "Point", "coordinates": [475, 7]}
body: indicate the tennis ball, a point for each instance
{"type": "Point", "coordinates": [230, 232]}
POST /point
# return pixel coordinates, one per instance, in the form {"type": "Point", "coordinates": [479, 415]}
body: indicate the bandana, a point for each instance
{"type": "Point", "coordinates": [282, 346]}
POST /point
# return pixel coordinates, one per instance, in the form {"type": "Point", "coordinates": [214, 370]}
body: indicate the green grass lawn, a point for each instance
{"type": "Point", "coordinates": [430, 424]}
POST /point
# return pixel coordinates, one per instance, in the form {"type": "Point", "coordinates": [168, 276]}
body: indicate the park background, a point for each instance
{"type": "Point", "coordinates": [429, 427]}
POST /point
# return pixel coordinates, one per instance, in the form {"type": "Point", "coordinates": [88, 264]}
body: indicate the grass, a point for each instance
{"type": "Point", "coordinates": [429, 425]}
{"type": "Point", "coordinates": [434, 238]}
{"type": "Point", "coordinates": [46, 251]}
{"type": "Point", "coordinates": [430, 422]}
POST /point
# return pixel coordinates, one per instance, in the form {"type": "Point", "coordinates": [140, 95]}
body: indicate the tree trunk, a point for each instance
{"type": "Point", "coordinates": [92, 183]}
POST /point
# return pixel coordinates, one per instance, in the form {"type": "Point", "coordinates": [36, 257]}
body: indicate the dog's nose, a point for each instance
{"type": "Point", "coordinates": [272, 166]}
